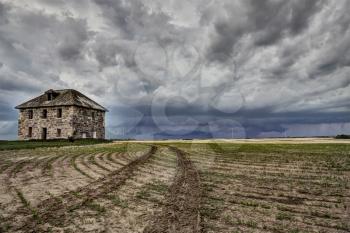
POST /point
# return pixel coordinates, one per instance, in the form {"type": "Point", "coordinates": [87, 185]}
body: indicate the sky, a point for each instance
{"type": "Point", "coordinates": [184, 68]}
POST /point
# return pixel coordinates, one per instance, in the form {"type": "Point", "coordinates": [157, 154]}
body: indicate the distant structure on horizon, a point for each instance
{"type": "Point", "coordinates": [61, 114]}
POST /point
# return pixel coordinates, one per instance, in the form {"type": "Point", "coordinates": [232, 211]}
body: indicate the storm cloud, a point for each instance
{"type": "Point", "coordinates": [175, 69]}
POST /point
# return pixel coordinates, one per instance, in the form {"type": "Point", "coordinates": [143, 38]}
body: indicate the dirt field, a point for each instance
{"type": "Point", "coordinates": [196, 186]}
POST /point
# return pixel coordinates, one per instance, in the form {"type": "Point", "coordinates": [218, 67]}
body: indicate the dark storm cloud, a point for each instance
{"type": "Point", "coordinates": [184, 68]}
{"type": "Point", "coordinates": [7, 113]}
{"type": "Point", "coordinates": [12, 83]}
{"type": "Point", "coordinates": [267, 21]}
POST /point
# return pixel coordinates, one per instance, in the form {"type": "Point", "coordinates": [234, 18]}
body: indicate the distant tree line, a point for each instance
{"type": "Point", "coordinates": [342, 136]}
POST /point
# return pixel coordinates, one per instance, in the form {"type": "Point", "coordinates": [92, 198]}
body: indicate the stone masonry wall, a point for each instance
{"type": "Point", "coordinates": [85, 125]}
{"type": "Point", "coordinates": [52, 123]}
{"type": "Point", "coordinates": [75, 121]}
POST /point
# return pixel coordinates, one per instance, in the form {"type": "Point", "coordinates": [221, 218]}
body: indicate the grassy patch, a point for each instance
{"type": "Point", "coordinates": [283, 216]}
{"type": "Point", "coordinates": [17, 145]}
{"type": "Point", "coordinates": [27, 204]}
{"type": "Point", "coordinates": [96, 207]}
{"type": "Point", "coordinates": [143, 194]}
{"type": "Point", "coordinates": [118, 201]}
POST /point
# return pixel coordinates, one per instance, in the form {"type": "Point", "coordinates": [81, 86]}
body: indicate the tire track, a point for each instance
{"type": "Point", "coordinates": [181, 211]}
{"type": "Point", "coordinates": [76, 166]}
{"type": "Point", "coordinates": [94, 170]}
{"type": "Point", "coordinates": [102, 159]}
{"type": "Point", "coordinates": [47, 166]}
{"type": "Point", "coordinates": [112, 158]}
{"type": "Point", "coordinates": [130, 207]}
{"type": "Point", "coordinates": [55, 211]}
{"type": "Point", "coordinates": [94, 160]}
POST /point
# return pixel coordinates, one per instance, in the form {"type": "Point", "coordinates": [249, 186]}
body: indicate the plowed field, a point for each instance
{"type": "Point", "coordinates": [176, 187]}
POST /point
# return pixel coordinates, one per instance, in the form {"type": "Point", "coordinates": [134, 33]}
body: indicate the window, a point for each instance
{"type": "Point", "coordinates": [49, 96]}
{"type": "Point", "coordinates": [30, 114]}
{"type": "Point", "coordinates": [59, 113]}
{"type": "Point", "coordinates": [44, 134]}
{"type": "Point", "coordinates": [30, 132]}
{"type": "Point", "coordinates": [93, 115]}
{"type": "Point", "coordinates": [59, 132]}
{"type": "Point", "coordinates": [44, 113]}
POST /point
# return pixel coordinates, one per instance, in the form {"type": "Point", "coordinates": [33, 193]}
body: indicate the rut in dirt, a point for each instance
{"type": "Point", "coordinates": [181, 211]}
{"type": "Point", "coordinates": [56, 210]}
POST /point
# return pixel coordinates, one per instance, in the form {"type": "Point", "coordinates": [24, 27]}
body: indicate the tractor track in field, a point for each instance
{"type": "Point", "coordinates": [55, 211]}
{"type": "Point", "coordinates": [181, 211]}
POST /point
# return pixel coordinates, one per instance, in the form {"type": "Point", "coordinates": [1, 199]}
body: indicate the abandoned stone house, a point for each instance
{"type": "Point", "coordinates": [59, 114]}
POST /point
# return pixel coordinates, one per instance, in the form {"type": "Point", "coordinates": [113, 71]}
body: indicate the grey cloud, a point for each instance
{"type": "Point", "coordinates": [3, 13]}
{"type": "Point", "coordinates": [133, 19]}
{"type": "Point", "coordinates": [7, 113]}
{"type": "Point", "coordinates": [288, 59]}
{"type": "Point", "coordinates": [266, 21]}
{"type": "Point", "coordinates": [107, 51]}
{"type": "Point", "coordinates": [75, 36]}
{"type": "Point", "coordinates": [273, 20]}
{"type": "Point", "coordinates": [12, 83]}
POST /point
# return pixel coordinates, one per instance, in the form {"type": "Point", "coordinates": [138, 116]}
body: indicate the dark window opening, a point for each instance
{"type": "Point", "coordinates": [44, 134]}
{"type": "Point", "coordinates": [59, 113]}
{"type": "Point", "coordinates": [93, 115]}
{"type": "Point", "coordinates": [30, 114]}
{"type": "Point", "coordinates": [59, 132]}
{"type": "Point", "coordinates": [51, 94]}
{"type": "Point", "coordinates": [30, 132]}
{"type": "Point", "coordinates": [44, 113]}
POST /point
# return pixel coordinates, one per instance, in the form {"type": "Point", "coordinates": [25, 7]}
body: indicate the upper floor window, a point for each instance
{"type": "Point", "coordinates": [59, 113]}
{"type": "Point", "coordinates": [93, 115]}
{"type": "Point", "coordinates": [44, 113]}
{"type": "Point", "coordinates": [30, 114]}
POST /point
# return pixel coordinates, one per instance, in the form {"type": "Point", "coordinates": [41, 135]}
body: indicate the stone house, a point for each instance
{"type": "Point", "coordinates": [60, 114]}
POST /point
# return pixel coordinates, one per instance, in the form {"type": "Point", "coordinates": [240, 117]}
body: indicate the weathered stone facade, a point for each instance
{"type": "Point", "coordinates": [60, 122]}
{"type": "Point", "coordinates": [75, 121]}
{"type": "Point", "coordinates": [89, 123]}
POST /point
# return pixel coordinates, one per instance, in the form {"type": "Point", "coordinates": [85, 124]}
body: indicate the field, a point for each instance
{"type": "Point", "coordinates": [173, 186]}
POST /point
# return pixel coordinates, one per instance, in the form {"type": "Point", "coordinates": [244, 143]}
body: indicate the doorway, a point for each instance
{"type": "Point", "coordinates": [44, 134]}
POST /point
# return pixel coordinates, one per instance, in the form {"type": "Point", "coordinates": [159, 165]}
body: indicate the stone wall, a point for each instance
{"type": "Point", "coordinates": [75, 121]}
{"type": "Point", "coordinates": [85, 124]}
{"type": "Point", "coordinates": [52, 123]}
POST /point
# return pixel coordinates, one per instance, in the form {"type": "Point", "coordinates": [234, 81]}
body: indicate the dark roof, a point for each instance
{"type": "Point", "coordinates": [66, 97]}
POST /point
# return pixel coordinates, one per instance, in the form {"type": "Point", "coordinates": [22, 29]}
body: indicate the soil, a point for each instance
{"type": "Point", "coordinates": [181, 211]}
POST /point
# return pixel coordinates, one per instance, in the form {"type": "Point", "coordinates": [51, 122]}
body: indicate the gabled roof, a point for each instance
{"type": "Point", "coordinates": [66, 97]}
